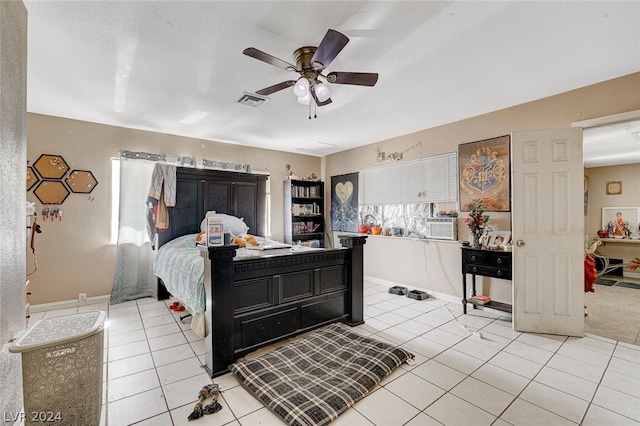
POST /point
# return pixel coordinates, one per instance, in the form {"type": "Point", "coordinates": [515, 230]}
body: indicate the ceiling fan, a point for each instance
{"type": "Point", "coordinates": [310, 62]}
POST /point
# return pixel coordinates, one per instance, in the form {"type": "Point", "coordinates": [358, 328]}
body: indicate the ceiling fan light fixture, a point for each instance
{"type": "Point", "coordinates": [322, 92]}
{"type": "Point", "coordinates": [305, 100]}
{"type": "Point", "coordinates": [301, 87]}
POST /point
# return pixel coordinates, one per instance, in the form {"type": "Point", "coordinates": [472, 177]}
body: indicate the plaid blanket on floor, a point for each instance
{"type": "Point", "coordinates": [313, 380]}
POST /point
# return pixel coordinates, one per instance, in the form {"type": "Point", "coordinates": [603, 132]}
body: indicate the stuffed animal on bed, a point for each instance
{"type": "Point", "coordinates": [245, 240]}
{"type": "Point", "coordinates": [201, 238]}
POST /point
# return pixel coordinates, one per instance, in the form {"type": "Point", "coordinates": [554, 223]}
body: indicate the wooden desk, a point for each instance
{"type": "Point", "coordinates": [487, 263]}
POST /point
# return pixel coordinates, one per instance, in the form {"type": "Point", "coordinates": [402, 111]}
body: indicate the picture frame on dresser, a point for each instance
{"type": "Point", "coordinates": [498, 239]}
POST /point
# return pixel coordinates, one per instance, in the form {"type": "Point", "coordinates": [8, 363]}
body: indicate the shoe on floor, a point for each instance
{"type": "Point", "coordinates": [176, 307]}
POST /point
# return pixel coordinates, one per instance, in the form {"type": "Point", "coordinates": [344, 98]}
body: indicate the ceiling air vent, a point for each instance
{"type": "Point", "coordinates": [253, 100]}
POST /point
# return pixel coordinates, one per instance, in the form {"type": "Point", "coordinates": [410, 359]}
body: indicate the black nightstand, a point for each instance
{"type": "Point", "coordinates": [487, 263]}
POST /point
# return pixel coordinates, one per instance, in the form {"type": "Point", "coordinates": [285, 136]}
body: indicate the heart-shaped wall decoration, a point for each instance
{"type": "Point", "coordinates": [344, 191]}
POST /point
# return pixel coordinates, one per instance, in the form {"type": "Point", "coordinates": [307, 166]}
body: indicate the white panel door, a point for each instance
{"type": "Point", "coordinates": [548, 228]}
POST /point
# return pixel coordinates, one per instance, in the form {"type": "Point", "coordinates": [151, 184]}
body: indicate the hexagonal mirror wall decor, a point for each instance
{"type": "Point", "coordinates": [32, 178]}
{"type": "Point", "coordinates": [51, 166]}
{"type": "Point", "coordinates": [51, 192]}
{"type": "Point", "coordinates": [81, 181]}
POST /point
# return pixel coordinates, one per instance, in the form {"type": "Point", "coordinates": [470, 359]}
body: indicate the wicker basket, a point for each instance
{"type": "Point", "coordinates": [62, 369]}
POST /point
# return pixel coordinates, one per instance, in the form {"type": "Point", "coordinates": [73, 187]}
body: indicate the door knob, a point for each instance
{"type": "Point", "coordinates": [520, 243]}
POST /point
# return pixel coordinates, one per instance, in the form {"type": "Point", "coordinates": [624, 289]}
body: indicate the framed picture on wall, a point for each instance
{"type": "Point", "coordinates": [344, 202]}
{"type": "Point", "coordinates": [614, 188]}
{"type": "Point", "coordinates": [621, 222]}
{"type": "Point", "coordinates": [484, 170]}
{"type": "Point", "coordinates": [586, 195]}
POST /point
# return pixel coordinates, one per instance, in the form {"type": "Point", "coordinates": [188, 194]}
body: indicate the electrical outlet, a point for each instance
{"type": "Point", "coordinates": [82, 297]}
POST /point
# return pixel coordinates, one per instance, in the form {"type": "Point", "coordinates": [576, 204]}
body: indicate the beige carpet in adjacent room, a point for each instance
{"type": "Point", "coordinates": [614, 312]}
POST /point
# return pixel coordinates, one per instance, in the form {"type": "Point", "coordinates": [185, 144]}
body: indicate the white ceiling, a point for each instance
{"type": "Point", "coordinates": [148, 65]}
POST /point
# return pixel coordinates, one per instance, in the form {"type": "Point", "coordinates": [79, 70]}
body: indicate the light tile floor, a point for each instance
{"type": "Point", "coordinates": [153, 371]}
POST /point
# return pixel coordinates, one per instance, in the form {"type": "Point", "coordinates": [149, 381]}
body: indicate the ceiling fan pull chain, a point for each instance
{"type": "Point", "coordinates": [315, 110]}
{"type": "Point", "coordinates": [309, 110]}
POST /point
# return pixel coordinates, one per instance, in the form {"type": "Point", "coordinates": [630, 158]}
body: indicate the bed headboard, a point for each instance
{"type": "Point", "coordinates": [200, 190]}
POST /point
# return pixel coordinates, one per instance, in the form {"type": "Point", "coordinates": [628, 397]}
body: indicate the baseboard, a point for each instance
{"type": "Point", "coordinates": [435, 295]}
{"type": "Point", "coordinates": [64, 304]}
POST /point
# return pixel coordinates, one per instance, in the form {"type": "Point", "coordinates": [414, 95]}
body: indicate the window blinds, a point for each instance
{"type": "Point", "coordinates": [428, 180]}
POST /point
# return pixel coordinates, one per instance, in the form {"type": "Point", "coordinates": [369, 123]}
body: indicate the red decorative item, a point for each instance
{"type": "Point", "coordinates": [363, 229]}
{"type": "Point", "coordinates": [590, 274]}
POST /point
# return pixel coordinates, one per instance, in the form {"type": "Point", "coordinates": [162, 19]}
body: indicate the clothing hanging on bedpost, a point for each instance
{"type": "Point", "coordinates": [162, 195]}
{"type": "Point", "coordinates": [133, 277]}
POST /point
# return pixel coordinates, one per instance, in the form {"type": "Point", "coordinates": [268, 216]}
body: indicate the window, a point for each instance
{"type": "Point", "coordinates": [404, 195]}
{"type": "Point", "coordinates": [115, 199]}
{"type": "Point", "coordinates": [428, 180]}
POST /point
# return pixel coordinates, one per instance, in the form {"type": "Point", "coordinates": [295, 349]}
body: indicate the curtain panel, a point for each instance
{"type": "Point", "coordinates": [134, 278]}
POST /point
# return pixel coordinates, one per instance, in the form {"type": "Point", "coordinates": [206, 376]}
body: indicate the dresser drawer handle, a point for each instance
{"type": "Point", "coordinates": [499, 260]}
{"type": "Point", "coordinates": [498, 273]}
{"type": "Point", "coordinates": [475, 269]}
{"type": "Point", "coordinates": [473, 258]}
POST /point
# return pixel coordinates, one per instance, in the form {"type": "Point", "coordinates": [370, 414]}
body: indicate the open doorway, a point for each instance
{"type": "Point", "coordinates": [612, 172]}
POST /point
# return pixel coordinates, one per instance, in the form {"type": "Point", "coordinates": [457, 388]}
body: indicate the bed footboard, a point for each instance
{"type": "Point", "coordinates": [255, 302]}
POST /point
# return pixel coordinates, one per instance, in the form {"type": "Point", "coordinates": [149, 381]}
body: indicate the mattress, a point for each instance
{"type": "Point", "coordinates": [180, 266]}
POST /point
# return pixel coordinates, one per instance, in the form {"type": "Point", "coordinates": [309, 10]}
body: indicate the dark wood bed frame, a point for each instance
{"type": "Point", "coordinates": [254, 302]}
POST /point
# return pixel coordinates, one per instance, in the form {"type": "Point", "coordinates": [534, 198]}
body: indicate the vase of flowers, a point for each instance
{"type": "Point", "coordinates": [477, 221]}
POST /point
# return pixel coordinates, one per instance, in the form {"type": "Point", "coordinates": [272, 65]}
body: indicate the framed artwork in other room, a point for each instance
{"type": "Point", "coordinates": [621, 222]}
{"type": "Point", "coordinates": [586, 195]}
{"type": "Point", "coordinates": [614, 188]}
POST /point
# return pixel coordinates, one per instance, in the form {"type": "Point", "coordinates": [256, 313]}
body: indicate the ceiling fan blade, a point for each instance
{"type": "Point", "coordinates": [276, 87]}
{"type": "Point", "coordinates": [332, 43]}
{"type": "Point", "coordinates": [271, 60]}
{"type": "Point", "coordinates": [357, 78]}
{"type": "Point", "coordinates": [315, 98]}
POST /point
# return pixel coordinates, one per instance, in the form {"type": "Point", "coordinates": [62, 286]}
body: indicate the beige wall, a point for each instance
{"type": "Point", "coordinates": [75, 255]}
{"type": "Point", "coordinates": [428, 268]}
{"type": "Point", "coordinates": [629, 175]}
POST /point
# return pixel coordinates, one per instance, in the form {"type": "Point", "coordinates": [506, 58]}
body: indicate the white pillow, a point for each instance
{"type": "Point", "coordinates": [235, 225]}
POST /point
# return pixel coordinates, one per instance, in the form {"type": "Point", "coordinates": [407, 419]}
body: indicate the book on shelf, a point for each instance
{"type": "Point", "coordinates": [306, 191]}
{"type": "Point", "coordinates": [480, 299]}
{"type": "Point", "coordinates": [305, 227]}
{"type": "Point", "coordinates": [312, 209]}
